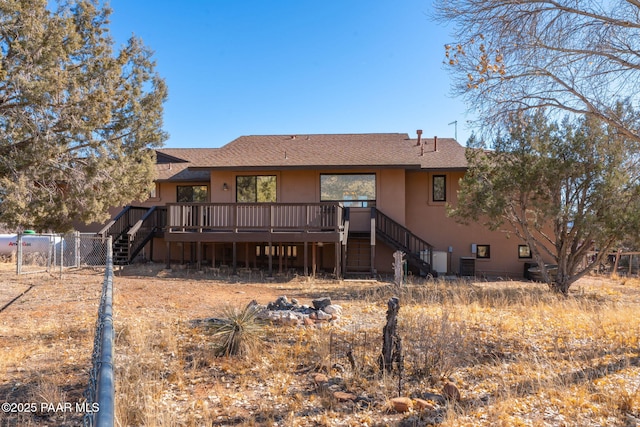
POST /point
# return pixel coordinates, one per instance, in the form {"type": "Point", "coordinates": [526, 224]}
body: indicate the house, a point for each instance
{"type": "Point", "coordinates": [338, 203]}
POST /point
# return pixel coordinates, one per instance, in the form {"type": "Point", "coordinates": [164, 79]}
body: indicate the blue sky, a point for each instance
{"type": "Point", "coordinates": [250, 67]}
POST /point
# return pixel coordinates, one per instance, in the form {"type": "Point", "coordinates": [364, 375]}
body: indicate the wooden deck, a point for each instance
{"type": "Point", "coordinates": [255, 222]}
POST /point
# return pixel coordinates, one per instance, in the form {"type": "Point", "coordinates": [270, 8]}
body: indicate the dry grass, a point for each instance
{"type": "Point", "coordinates": [46, 338]}
{"type": "Point", "coordinates": [518, 354]}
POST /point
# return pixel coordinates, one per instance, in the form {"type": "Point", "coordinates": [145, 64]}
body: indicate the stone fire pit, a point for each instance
{"type": "Point", "coordinates": [287, 312]}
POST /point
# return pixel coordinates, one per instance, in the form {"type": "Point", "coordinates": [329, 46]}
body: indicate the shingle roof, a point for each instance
{"type": "Point", "coordinates": [446, 153]}
{"type": "Point", "coordinates": [320, 150]}
{"type": "Point", "coordinates": [173, 164]}
{"type": "Point", "coordinates": [339, 150]}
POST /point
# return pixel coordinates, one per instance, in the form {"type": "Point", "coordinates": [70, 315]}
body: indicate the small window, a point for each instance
{"type": "Point", "coordinates": [192, 194]}
{"type": "Point", "coordinates": [439, 189]}
{"type": "Point", "coordinates": [153, 191]}
{"type": "Point", "coordinates": [524, 251]}
{"type": "Point", "coordinates": [483, 251]}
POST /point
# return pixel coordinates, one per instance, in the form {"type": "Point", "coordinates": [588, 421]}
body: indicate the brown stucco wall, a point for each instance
{"type": "Point", "coordinates": [429, 220]}
{"type": "Point", "coordinates": [403, 195]}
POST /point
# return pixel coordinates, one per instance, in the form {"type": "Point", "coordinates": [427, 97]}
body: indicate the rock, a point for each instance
{"type": "Point", "coordinates": [321, 315]}
{"type": "Point", "coordinates": [333, 309]}
{"type": "Point", "coordinates": [342, 396]}
{"type": "Point", "coordinates": [282, 303]}
{"type": "Point", "coordinates": [320, 378]}
{"type": "Point", "coordinates": [451, 392]}
{"type": "Point", "coordinates": [423, 405]}
{"type": "Point", "coordinates": [308, 322]}
{"type": "Point", "coordinates": [290, 319]}
{"type": "Point", "coordinates": [321, 303]}
{"type": "Point", "coordinates": [287, 318]}
{"type": "Point", "coordinates": [401, 404]}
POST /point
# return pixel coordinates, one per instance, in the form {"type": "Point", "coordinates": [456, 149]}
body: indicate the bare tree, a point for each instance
{"type": "Point", "coordinates": [581, 57]}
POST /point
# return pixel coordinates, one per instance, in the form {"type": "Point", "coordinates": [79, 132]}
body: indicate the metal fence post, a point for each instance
{"type": "Point", "coordinates": [19, 255]}
{"type": "Point", "coordinates": [76, 239]}
{"type": "Point", "coordinates": [62, 242]}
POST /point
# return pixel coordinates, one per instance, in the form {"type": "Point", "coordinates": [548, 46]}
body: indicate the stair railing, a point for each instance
{"type": "Point", "coordinates": [418, 251]}
{"type": "Point", "coordinates": [145, 229]}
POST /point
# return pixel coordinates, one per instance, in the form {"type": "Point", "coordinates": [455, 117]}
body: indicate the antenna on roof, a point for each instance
{"type": "Point", "coordinates": [455, 122]}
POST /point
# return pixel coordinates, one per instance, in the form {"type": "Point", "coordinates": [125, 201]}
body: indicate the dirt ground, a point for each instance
{"type": "Point", "coordinates": [47, 323]}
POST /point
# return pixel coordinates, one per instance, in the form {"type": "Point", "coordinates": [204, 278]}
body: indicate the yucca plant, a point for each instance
{"type": "Point", "coordinates": [238, 331]}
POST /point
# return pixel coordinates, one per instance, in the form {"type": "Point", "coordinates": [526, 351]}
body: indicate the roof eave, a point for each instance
{"type": "Point", "coordinates": [299, 167]}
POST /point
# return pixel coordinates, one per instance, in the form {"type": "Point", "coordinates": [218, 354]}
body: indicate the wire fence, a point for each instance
{"type": "Point", "coordinates": [48, 253]}
{"type": "Point", "coordinates": [100, 392]}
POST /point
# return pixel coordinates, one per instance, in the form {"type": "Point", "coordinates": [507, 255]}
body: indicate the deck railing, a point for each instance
{"type": "Point", "coordinates": [238, 217]}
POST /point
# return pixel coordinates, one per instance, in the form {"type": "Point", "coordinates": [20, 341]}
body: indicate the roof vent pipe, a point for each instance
{"type": "Point", "coordinates": [419, 132]}
{"type": "Point", "coordinates": [435, 143]}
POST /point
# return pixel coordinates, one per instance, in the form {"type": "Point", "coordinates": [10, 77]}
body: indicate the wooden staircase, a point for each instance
{"type": "Point", "coordinates": [358, 254]}
{"type": "Point", "coordinates": [418, 253]}
{"type": "Point", "coordinates": [132, 229]}
{"type": "Point", "coordinates": [121, 250]}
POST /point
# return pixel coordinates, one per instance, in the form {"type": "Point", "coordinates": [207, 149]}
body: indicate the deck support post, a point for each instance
{"type": "Point", "coordinates": [286, 257]}
{"type": "Point", "coordinates": [213, 255]}
{"type": "Point", "coordinates": [246, 256]}
{"type": "Point", "coordinates": [234, 261]}
{"type": "Point", "coordinates": [343, 259]}
{"type": "Point", "coordinates": [306, 261]}
{"type": "Point", "coordinates": [168, 256]}
{"type": "Point", "coordinates": [339, 260]}
{"type": "Point", "coordinates": [199, 255]}
{"type": "Point", "coordinates": [270, 259]}
{"type": "Point", "coordinates": [280, 258]}
{"type": "Point", "coordinates": [313, 259]}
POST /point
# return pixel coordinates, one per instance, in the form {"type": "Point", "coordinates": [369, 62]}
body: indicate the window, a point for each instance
{"type": "Point", "coordinates": [355, 190]}
{"type": "Point", "coordinates": [153, 191]}
{"type": "Point", "coordinates": [439, 189]}
{"type": "Point", "coordinates": [483, 251]}
{"type": "Point", "coordinates": [192, 194]}
{"type": "Point", "coordinates": [256, 189]}
{"type": "Point", "coordinates": [524, 251]}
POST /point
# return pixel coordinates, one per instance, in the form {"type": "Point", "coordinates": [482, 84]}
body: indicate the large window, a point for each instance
{"type": "Point", "coordinates": [439, 188]}
{"type": "Point", "coordinates": [192, 194]}
{"type": "Point", "coordinates": [256, 189]}
{"type": "Point", "coordinates": [352, 189]}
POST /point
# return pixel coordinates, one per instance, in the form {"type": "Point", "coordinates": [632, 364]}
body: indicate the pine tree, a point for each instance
{"type": "Point", "coordinates": [78, 120]}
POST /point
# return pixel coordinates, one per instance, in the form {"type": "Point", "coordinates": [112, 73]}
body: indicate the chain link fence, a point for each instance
{"type": "Point", "coordinates": [100, 393]}
{"type": "Point", "coordinates": [48, 253]}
